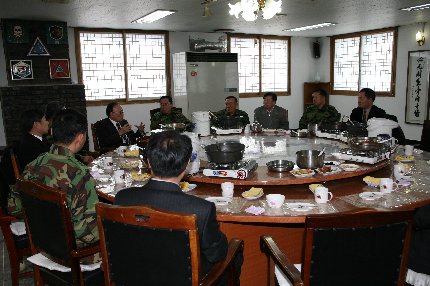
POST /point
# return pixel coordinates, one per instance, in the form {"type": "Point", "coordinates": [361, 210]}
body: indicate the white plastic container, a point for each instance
{"type": "Point", "coordinates": [201, 122]}
{"type": "Point", "coordinates": [194, 165]}
{"type": "Point", "coordinates": [376, 126]}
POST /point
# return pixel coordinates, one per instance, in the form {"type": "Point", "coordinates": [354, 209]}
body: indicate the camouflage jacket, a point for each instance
{"type": "Point", "coordinates": [175, 116]}
{"type": "Point", "coordinates": [243, 121]}
{"type": "Point", "coordinates": [60, 169]}
{"type": "Point", "coordinates": [312, 114]}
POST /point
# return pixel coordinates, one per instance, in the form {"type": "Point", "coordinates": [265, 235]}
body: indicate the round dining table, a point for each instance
{"type": "Point", "coordinates": [285, 225]}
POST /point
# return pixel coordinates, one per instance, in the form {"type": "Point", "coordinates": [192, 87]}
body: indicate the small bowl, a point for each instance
{"type": "Point", "coordinates": [280, 165]}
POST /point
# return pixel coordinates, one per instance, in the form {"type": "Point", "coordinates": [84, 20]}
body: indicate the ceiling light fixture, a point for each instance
{"type": "Point", "coordinates": [250, 9]}
{"type": "Point", "coordinates": [415, 8]}
{"type": "Point", "coordinates": [310, 27]}
{"type": "Point", "coordinates": [154, 16]}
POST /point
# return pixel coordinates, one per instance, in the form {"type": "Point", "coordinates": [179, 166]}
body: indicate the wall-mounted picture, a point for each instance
{"type": "Point", "coordinates": [38, 49]}
{"type": "Point", "coordinates": [17, 33]}
{"type": "Point", "coordinates": [56, 34]}
{"type": "Point", "coordinates": [21, 69]}
{"type": "Point", "coordinates": [59, 68]}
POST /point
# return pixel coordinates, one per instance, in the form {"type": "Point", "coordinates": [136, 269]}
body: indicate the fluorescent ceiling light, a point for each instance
{"type": "Point", "coordinates": [154, 16]}
{"type": "Point", "coordinates": [310, 27]}
{"type": "Point", "coordinates": [418, 7]}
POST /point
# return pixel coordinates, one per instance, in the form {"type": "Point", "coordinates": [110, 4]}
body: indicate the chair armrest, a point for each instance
{"type": "Point", "coordinates": [269, 246]}
{"type": "Point", "coordinates": [87, 250]}
{"type": "Point", "coordinates": [218, 270]}
{"type": "Point", "coordinates": [93, 154]}
{"type": "Point", "coordinates": [8, 218]}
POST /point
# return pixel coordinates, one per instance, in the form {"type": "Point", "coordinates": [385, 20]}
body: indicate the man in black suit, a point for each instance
{"type": "Point", "coordinates": [115, 131]}
{"type": "Point", "coordinates": [168, 155]}
{"type": "Point", "coordinates": [35, 125]}
{"type": "Point", "coordinates": [366, 109]}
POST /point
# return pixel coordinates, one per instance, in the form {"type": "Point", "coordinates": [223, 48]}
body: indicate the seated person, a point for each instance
{"type": "Point", "coordinates": [169, 154]}
{"type": "Point", "coordinates": [320, 111]}
{"type": "Point", "coordinates": [59, 169]}
{"type": "Point", "coordinates": [167, 115]}
{"type": "Point", "coordinates": [34, 124]}
{"type": "Point", "coordinates": [269, 115]}
{"type": "Point", "coordinates": [366, 109]}
{"type": "Point", "coordinates": [231, 105]}
{"type": "Point", "coordinates": [114, 131]}
{"type": "Point", "coordinates": [419, 249]}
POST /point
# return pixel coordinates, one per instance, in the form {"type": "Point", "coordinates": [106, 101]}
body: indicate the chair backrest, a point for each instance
{"type": "Point", "coordinates": [48, 223]}
{"type": "Point", "coordinates": [425, 136]}
{"type": "Point", "coordinates": [4, 193]}
{"type": "Point", "coordinates": [153, 111]}
{"type": "Point", "coordinates": [361, 248]}
{"type": "Point", "coordinates": [7, 163]}
{"type": "Point", "coordinates": [95, 139]}
{"type": "Point", "coordinates": [143, 245]}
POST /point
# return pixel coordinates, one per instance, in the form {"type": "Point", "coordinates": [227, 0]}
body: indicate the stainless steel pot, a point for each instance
{"type": "Point", "coordinates": [309, 159]}
{"type": "Point", "coordinates": [224, 153]}
{"type": "Point", "coordinates": [357, 129]}
{"type": "Point", "coordinates": [340, 126]}
{"type": "Point", "coordinates": [365, 143]}
{"type": "Point", "coordinates": [298, 133]}
{"type": "Point", "coordinates": [280, 165]}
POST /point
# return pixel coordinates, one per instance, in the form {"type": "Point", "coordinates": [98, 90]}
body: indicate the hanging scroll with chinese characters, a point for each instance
{"type": "Point", "coordinates": [417, 108]}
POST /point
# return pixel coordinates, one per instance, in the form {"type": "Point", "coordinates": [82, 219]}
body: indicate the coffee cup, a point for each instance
{"type": "Point", "coordinates": [409, 150]}
{"type": "Point", "coordinates": [119, 176]}
{"type": "Point", "coordinates": [321, 195]}
{"type": "Point", "coordinates": [399, 171]}
{"type": "Point", "coordinates": [108, 163]}
{"type": "Point", "coordinates": [227, 189]}
{"type": "Point", "coordinates": [275, 200]}
{"type": "Point", "coordinates": [386, 185]}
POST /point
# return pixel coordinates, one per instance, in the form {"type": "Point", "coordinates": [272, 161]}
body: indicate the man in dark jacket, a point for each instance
{"type": "Point", "coordinates": [366, 109]}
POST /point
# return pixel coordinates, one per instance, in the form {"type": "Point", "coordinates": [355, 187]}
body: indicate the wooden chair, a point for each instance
{"type": "Point", "coordinates": [51, 233]}
{"type": "Point", "coordinates": [143, 245]}
{"type": "Point", "coordinates": [17, 246]}
{"type": "Point", "coordinates": [425, 137]}
{"type": "Point", "coordinates": [153, 111]}
{"type": "Point", "coordinates": [363, 247]}
{"type": "Point", "coordinates": [10, 162]}
{"type": "Point", "coordinates": [96, 141]}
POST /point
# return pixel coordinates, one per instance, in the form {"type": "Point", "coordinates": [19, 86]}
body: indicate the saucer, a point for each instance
{"type": "Point", "coordinates": [301, 207]}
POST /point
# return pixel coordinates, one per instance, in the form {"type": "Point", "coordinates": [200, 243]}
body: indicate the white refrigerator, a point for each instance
{"type": "Point", "coordinates": [202, 81]}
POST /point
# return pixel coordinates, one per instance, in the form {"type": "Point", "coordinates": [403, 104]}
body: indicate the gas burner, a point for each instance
{"type": "Point", "coordinates": [362, 156]}
{"type": "Point", "coordinates": [240, 169]}
{"type": "Point", "coordinates": [329, 131]}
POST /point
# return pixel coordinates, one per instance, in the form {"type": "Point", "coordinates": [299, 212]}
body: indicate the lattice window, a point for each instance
{"type": "Point", "coordinates": [263, 64]}
{"type": "Point", "coordinates": [362, 60]}
{"type": "Point", "coordinates": [103, 61]}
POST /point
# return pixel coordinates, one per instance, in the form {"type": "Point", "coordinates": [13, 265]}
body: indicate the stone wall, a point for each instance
{"type": "Point", "coordinates": [16, 99]}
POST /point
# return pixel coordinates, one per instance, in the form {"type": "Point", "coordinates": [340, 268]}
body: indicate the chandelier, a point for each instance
{"type": "Point", "coordinates": [250, 9]}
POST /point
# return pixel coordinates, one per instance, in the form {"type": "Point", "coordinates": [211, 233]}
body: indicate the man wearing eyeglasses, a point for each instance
{"type": "Point", "coordinates": [167, 115]}
{"type": "Point", "coordinates": [115, 131]}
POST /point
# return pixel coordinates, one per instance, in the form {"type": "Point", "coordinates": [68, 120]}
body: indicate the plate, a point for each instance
{"type": "Point", "coordinates": [304, 175]}
{"type": "Point", "coordinates": [372, 184]}
{"type": "Point", "coordinates": [252, 198]}
{"type": "Point", "coordinates": [349, 167]}
{"type": "Point", "coordinates": [370, 196]}
{"type": "Point", "coordinates": [132, 156]}
{"type": "Point", "coordinates": [103, 178]}
{"type": "Point", "coordinates": [331, 163]}
{"type": "Point", "coordinates": [219, 201]}
{"type": "Point", "coordinates": [334, 170]}
{"type": "Point", "coordinates": [404, 161]}
{"type": "Point", "coordinates": [129, 168]}
{"type": "Point", "coordinates": [301, 207]}
{"type": "Point", "coordinates": [273, 130]}
{"type": "Point", "coordinates": [191, 187]}
{"type": "Point", "coordinates": [141, 180]}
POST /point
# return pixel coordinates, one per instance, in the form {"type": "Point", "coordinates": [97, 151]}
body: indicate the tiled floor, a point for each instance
{"type": "Point", "coordinates": [5, 268]}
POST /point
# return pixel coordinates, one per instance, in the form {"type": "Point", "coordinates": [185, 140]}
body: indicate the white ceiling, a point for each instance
{"type": "Point", "coordinates": [350, 15]}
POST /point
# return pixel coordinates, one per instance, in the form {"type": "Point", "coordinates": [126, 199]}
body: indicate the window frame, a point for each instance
{"type": "Point", "coordinates": [104, 102]}
{"type": "Point", "coordinates": [260, 37]}
{"type": "Point", "coordinates": [391, 93]}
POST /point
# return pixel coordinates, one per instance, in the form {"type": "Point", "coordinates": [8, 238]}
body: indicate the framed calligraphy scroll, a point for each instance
{"type": "Point", "coordinates": [417, 91]}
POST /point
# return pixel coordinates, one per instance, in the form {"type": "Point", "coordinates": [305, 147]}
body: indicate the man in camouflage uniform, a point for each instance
{"type": "Point", "coordinates": [59, 169]}
{"type": "Point", "coordinates": [231, 106]}
{"type": "Point", "coordinates": [320, 111]}
{"type": "Point", "coordinates": [167, 116]}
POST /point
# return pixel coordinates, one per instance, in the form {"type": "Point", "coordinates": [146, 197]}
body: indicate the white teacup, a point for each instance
{"type": "Point", "coordinates": [399, 171]}
{"type": "Point", "coordinates": [386, 185]}
{"type": "Point", "coordinates": [119, 176]}
{"type": "Point", "coordinates": [275, 200]}
{"type": "Point", "coordinates": [108, 163]}
{"type": "Point", "coordinates": [321, 195]}
{"type": "Point", "coordinates": [227, 189]}
{"type": "Point", "coordinates": [409, 150]}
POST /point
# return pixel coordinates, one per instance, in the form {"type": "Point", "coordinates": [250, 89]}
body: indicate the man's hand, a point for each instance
{"type": "Point", "coordinates": [87, 159]}
{"type": "Point", "coordinates": [141, 127]}
{"type": "Point", "coordinates": [126, 128]}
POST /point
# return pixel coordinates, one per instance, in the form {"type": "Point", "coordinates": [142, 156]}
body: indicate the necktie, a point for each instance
{"type": "Point", "coordinates": [364, 116]}
{"type": "Point", "coordinates": [124, 137]}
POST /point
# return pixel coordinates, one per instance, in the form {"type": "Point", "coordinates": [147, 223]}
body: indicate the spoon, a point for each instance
{"type": "Point", "coordinates": [322, 151]}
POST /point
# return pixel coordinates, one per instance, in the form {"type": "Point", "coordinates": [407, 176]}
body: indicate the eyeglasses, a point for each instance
{"type": "Point", "coordinates": [164, 104]}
